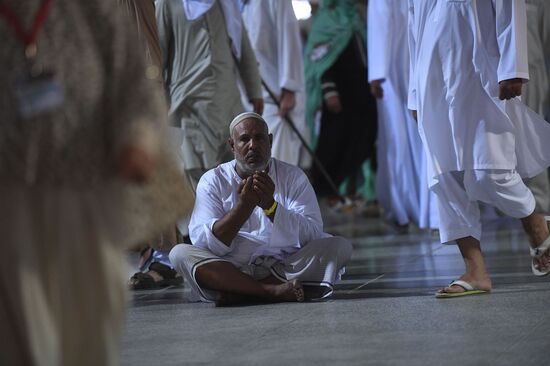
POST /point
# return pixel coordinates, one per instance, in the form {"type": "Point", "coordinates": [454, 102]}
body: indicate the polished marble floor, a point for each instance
{"type": "Point", "coordinates": [383, 311]}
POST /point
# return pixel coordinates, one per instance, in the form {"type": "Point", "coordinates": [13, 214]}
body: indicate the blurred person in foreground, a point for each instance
{"type": "Point", "coordinates": [256, 229]}
{"type": "Point", "coordinates": [83, 174]}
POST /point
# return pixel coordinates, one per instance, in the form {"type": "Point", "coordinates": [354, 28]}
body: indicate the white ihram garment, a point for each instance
{"type": "Point", "coordinates": [293, 246]}
{"type": "Point", "coordinates": [460, 50]}
{"type": "Point", "coordinates": [297, 219]}
{"type": "Point", "coordinates": [275, 37]}
{"type": "Point", "coordinates": [401, 177]}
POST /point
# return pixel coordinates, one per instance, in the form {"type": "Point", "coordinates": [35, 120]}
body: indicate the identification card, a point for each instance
{"type": "Point", "coordinates": [37, 95]}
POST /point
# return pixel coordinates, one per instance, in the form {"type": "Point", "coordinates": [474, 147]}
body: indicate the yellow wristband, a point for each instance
{"type": "Point", "coordinates": [272, 209]}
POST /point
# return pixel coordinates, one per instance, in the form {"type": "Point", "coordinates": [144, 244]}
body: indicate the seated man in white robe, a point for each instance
{"type": "Point", "coordinates": [256, 229]}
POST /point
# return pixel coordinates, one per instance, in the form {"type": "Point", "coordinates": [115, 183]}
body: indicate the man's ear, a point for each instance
{"type": "Point", "coordinates": [270, 140]}
{"type": "Point", "coordinates": [231, 144]}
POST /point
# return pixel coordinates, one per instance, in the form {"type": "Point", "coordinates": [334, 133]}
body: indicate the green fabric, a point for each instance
{"type": "Point", "coordinates": [365, 183]}
{"type": "Point", "coordinates": [333, 25]}
{"type": "Point", "coordinates": [368, 189]}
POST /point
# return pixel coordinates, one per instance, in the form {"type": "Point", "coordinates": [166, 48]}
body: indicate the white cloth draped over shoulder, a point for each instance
{"type": "Point", "coordinates": [194, 9]}
{"type": "Point", "coordinates": [275, 37]}
{"type": "Point", "coordinates": [402, 186]}
{"type": "Point", "coordinates": [297, 219]}
{"type": "Point", "coordinates": [460, 51]}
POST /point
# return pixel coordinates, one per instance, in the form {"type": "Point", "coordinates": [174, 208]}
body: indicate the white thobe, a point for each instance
{"type": "Point", "coordinates": [297, 219]}
{"type": "Point", "coordinates": [402, 188]}
{"type": "Point", "coordinates": [460, 50]}
{"type": "Point", "coordinates": [275, 37]}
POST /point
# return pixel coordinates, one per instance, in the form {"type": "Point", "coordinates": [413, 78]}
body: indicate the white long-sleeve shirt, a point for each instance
{"type": "Point", "coordinates": [297, 219]}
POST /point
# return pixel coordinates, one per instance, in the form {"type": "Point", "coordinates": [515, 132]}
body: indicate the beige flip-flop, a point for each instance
{"type": "Point", "coordinates": [468, 290]}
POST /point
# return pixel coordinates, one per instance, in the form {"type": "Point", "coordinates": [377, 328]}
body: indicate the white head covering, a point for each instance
{"type": "Point", "coordinates": [233, 22]}
{"type": "Point", "coordinates": [241, 117]}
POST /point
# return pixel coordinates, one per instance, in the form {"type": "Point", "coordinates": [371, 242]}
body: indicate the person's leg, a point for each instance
{"type": "Point", "coordinates": [536, 227]}
{"type": "Point", "coordinates": [507, 192]}
{"type": "Point", "coordinates": [459, 221]}
{"type": "Point", "coordinates": [329, 146]}
{"type": "Point", "coordinates": [208, 272]}
{"type": "Point", "coordinates": [226, 278]}
{"type": "Point", "coordinates": [540, 186]}
{"type": "Point", "coordinates": [318, 265]}
{"type": "Point", "coordinates": [476, 274]}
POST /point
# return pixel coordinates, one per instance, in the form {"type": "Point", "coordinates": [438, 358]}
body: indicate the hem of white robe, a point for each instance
{"type": "Point", "coordinates": [513, 75]}
{"type": "Point", "coordinates": [525, 174]}
{"type": "Point", "coordinates": [434, 179]}
{"type": "Point", "coordinates": [203, 294]}
{"type": "Point", "coordinates": [450, 236]}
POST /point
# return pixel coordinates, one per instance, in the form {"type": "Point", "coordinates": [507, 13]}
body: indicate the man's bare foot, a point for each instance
{"type": "Point", "coordinates": [280, 292]}
{"type": "Point", "coordinates": [478, 282]}
{"type": "Point", "coordinates": [536, 227]}
{"type": "Point", "coordinates": [542, 263]}
{"type": "Point", "coordinates": [287, 292]}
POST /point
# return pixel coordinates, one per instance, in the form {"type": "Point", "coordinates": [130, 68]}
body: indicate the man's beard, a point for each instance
{"type": "Point", "coordinates": [250, 168]}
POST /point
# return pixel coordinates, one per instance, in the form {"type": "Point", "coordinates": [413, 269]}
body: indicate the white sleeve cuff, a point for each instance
{"type": "Point", "coordinates": [214, 244]}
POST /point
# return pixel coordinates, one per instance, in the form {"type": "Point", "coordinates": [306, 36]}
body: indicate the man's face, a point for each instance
{"type": "Point", "coordinates": [251, 145]}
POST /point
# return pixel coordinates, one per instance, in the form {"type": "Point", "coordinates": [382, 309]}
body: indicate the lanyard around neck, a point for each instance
{"type": "Point", "coordinates": [28, 38]}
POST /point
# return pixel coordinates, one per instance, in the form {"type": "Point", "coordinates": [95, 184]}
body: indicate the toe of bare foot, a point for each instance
{"type": "Point", "coordinates": [298, 290]}
{"type": "Point", "coordinates": [454, 289]}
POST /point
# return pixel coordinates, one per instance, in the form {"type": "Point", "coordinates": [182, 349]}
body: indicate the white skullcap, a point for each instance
{"type": "Point", "coordinates": [241, 117]}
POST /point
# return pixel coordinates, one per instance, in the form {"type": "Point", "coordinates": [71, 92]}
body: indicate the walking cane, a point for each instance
{"type": "Point", "coordinates": [306, 146]}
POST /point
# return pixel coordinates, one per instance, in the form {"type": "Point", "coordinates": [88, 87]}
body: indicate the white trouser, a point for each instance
{"type": "Point", "coordinates": [319, 263]}
{"type": "Point", "coordinates": [458, 194]}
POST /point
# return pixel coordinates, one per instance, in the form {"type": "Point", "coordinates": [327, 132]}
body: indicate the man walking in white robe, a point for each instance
{"type": "Point", "coordinates": [204, 47]}
{"type": "Point", "coordinates": [468, 64]}
{"type": "Point", "coordinates": [402, 189]}
{"type": "Point", "coordinates": [275, 37]}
